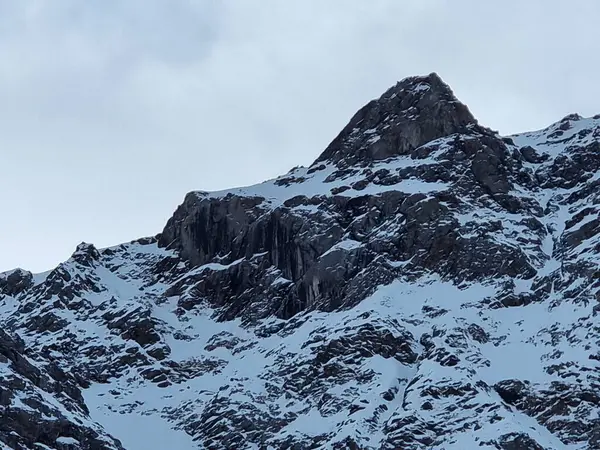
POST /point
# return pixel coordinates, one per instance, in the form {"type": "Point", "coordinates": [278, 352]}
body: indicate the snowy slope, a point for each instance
{"type": "Point", "coordinates": [425, 284]}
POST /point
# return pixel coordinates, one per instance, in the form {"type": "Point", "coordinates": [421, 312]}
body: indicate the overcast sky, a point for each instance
{"type": "Point", "coordinates": [110, 111]}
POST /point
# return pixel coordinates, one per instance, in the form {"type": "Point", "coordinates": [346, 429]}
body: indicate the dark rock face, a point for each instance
{"type": "Point", "coordinates": [416, 111]}
{"type": "Point", "coordinates": [28, 418]}
{"type": "Point", "coordinates": [515, 441]}
{"type": "Point", "coordinates": [425, 284]}
{"type": "Point", "coordinates": [15, 282]}
{"type": "Point", "coordinates": [255, 242]}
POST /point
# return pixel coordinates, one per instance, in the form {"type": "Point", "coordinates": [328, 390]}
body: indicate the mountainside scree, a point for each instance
{"type": "Point", "coordinates": [425, 284]}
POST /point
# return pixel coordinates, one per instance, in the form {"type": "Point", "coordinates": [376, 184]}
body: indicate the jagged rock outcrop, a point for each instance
{"type": "Point", "coordinates": [43, 406]}
{"type": "Point", "coordinates": [425, 284]}
{"type": "Point", "coordinates": [416, 111]}
{"type": "Point", "coordinates": [327, 244]}
{"type": "Point", "coordinates": [15, 282]}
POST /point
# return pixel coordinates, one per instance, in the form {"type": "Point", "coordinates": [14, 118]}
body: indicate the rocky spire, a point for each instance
{"type": "Point", "coordinates": [415, 111]}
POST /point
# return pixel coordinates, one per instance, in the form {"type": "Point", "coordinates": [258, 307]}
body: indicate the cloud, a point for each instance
{"type": "Point", "coordinates": [112, 110]}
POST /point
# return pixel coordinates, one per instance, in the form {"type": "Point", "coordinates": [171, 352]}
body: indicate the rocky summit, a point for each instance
{"type": "Point", "coordinates": [426, 284]}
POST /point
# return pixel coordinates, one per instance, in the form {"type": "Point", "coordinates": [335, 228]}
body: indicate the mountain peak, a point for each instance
{"type": "Point", "coordinates": [428, 285]}
{"type": "Point", "coordinates": [415, 111]}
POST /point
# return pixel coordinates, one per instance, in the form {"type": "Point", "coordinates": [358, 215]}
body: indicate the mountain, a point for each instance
{"type": "Point", "coordinates": [424, 284]}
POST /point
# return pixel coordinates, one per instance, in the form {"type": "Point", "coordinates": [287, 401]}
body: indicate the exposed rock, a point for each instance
{"type": "Point", "coordinates": [416, 111]}
{"type": "Point", "coordinates": [425, 284]}
{"type": "Point", "coordinates": [14, 282]}
{"type": "Point", "coordinates": [29, 418]}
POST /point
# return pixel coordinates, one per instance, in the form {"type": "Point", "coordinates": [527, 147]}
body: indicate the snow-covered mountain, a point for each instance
{"type": "Point", "coordinates": [425, 284]}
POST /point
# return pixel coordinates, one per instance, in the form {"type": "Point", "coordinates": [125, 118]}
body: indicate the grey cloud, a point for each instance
{"type": "Point", "coordinates": [111, 110]}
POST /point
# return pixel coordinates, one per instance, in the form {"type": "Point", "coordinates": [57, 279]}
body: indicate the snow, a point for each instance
{"type": "Point", "coordinates": [213, 266]}
{"type": "Point", "coordinates": [42, 446]}
{"type": "Point", "coordinates": [156, 431]}
{"type": "Point", "coordinates": [116, 287]}
{"type": "Point", "coordinates": [345, 245]}
{"type": "Point", "coordinates": [136, 431]}
{"type": "Point", "coordinates": [587, 219]}
{"type": "Point", "coordinates": [67, 441]}
{"type": "Point", "coordinates": [144, 416]}
{"type": "Point", "coordinates": [521, 340]}
{"type": "Point", "coordinates": [554, 146]}
{"type": "Point", "coordinates": [314, 184]}
{"type": "Point", "coordinates": [421, 87]}
{"type": "Point", "coordinates": [8, 305]}
{"type": "Point", "coordinates": [280, 280]}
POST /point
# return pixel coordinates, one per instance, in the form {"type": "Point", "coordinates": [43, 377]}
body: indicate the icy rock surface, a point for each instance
{"type": "Point", "coordinates": [425, 284]}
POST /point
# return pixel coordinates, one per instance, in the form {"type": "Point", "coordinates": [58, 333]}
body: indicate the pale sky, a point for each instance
{"type": "Point", "coordinates": [110, 111]}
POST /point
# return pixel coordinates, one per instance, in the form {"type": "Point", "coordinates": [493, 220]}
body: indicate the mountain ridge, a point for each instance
{"type": "Point", "coordinates": [377, 299]}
